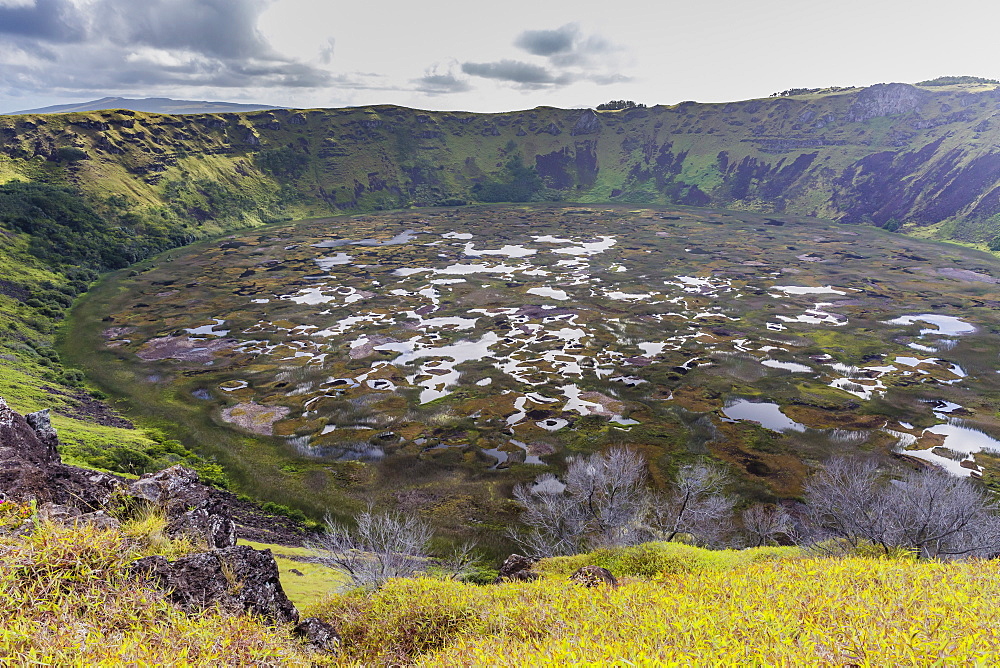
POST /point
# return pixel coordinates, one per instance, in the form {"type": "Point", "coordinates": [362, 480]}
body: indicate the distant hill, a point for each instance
{"type": "Point", "coordinates": [153, 105]}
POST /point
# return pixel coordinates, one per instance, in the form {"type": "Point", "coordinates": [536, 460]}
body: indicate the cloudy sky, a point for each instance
{"type": "Point", "coordinates": [450, 54]}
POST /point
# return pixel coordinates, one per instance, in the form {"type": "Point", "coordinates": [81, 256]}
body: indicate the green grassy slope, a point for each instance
{"type": "Point", "coordinates": [34, 296]}
{"type": "Point", "coordinates": [890, 154]}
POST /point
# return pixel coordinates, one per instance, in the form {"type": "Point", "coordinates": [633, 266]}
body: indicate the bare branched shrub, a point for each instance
{"type": "Point", "coordinates": [382, 546]}
{"type": "Point", "coordinates": [763, 522]}
{"type": "Point", "coordinates": [697, 505]}
{"type": "Point", "coordinates": [930, 513]}
{"type": "Point", "coordinates": [844, 501]}
{"type": "Point", "coordinates": [556, 524]}
{"type": "Point", "coordinates": [940, 516]}
{"type": "Point", "coordinates": [602, 504]}
{"type": "Point", "coordinates": [606, 503]}
{"type": "Point", "coordinates": [611, 488]}
{"type": "Point", "coordinates": [460, 562]}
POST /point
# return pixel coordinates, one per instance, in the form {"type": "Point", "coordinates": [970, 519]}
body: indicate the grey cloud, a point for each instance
{"type": "Point", "coordinates": [223, 28]}
{"type": "Point", "coordinates": [568, 47]}
{"type": "Point", "coordinates": [608, 79]}
{"type": "Point", "coordinates": [436, 84]}
{"type": "Point", "coordinates": [515, 71]}
{"type": "Point", "coordinates": [326, 54]}
{"type": "Point", "coordinates": [145, 44]}
{"type": "Point", "coordinates": [548, 42]}
{"type": "Point", "coordinates": [441, 79]}
{"type": "Point", "coordinates": [50, 20]}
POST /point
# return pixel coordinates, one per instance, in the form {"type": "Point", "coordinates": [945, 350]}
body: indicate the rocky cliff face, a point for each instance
{"type": "Point", "coordinates": [890, 151]}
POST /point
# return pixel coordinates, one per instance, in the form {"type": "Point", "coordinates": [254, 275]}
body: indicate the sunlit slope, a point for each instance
{"type": "Point", "coordinates": [679, 605]}
{"type": "Point", "coordinates": [890, 154]}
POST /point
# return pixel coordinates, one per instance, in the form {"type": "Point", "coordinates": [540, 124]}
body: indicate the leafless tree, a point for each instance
{"type": "Point", "coordinates": [762, 522]}
{"type": "Point", "coordinates": [611, 489]}
{"type": "Point", "coordinates": [697, 505]}
{"type": "Point", "coordinates": [602, 504]}
{"type": "Point", "coordinates": [844, 502]}
{"type": "Point", "coordinates": [381, 546]}
{"type": "Point", "coordinates": [555, 523]}
{"type": "Point", "coordinates": [938, 515]}
{"type": "Point", "coordinates": [932, 513]}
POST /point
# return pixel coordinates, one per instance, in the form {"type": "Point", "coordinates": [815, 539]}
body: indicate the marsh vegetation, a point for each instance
{"type": "Point", "coordinates": [431, 360]}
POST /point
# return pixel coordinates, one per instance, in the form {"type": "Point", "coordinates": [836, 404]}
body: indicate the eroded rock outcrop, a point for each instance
{"type": "Point", "coordinates": [318, 634]}
{"type": "Point", "coordinates": [517, 568]}
{"type": "Point", "coordinates": [191, 508]}
{"type": "Point", "coordinates": [238, 579]}
{"type": "Point", "coordinates": [233, 577]}
{"type": "Point", "coordinates": [885, 100]}
{"type": "Point", "coordinates": [587, 124]}
{"type": "Point", "coordinates": [30, 467]}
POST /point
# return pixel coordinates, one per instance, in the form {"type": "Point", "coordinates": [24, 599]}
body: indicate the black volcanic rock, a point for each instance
{"type": "Point", "coordinates": [516, 568]}
{"type": "Point", "coordinates": [30, 467]}
{"type": "Point", "coordinates": [238, 579]}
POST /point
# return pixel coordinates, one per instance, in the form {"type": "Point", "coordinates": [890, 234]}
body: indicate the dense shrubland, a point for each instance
{"type": "Point", "coordinates": [953, 80]}
{"type": "Point", "coordinates": [65, 231]}
{"type": "Point", "coordinates": [517, 183]}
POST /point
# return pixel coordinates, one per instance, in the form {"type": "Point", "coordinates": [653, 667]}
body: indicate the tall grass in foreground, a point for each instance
{"type": "Point", "coordinates": [705, 608]}
{"type": "Point", "coordinates": [65, 600]}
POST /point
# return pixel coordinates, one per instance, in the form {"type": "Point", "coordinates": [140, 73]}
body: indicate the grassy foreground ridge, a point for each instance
{"type": "Point", "coordinates": [66, 600]}
{"type": "Point", "coordinates": [854, 611]}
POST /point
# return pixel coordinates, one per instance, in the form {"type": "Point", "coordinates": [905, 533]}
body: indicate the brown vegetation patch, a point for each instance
{"type": "Point", "coordinates": [696, 400]}
{"type": "Point", "coordinates": [367, 349]}
{"type": "Point", "coordinates": [184, 348]}
{"type": "Point", "coordinates": [967, 275]}
{"type": "Point", "coordinates": [608, 407]}
{"type": "Point", "coordinates": [928, 440]}
{"type": "Point", "coordinates": [784, 474]}
{"type": "Point", "coordinates": [115, 332]}
{"type": "Point", "coordinates": [254, 417]}
{"type": "Point", "coordinates": [815, 417]}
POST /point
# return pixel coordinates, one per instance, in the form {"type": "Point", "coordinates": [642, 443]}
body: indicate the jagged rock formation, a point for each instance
{"type": "Point", "coordinates": [239, 579]}
{"type": "Point", "coordinates": [516, 568]}
{"type": "Point", "coordinates": [318, 634]}
{"type": "Point", "coordinates": [30, 467]}
{"type": "Point", "coordinates": [233, 577]}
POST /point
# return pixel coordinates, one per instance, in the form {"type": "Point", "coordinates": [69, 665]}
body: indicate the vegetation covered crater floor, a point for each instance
{"type": "Point", "coordinates": [431, 359]}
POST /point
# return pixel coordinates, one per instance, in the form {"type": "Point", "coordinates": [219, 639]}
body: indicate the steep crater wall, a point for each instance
{"type": "Point", "coordinates": [887, 155]}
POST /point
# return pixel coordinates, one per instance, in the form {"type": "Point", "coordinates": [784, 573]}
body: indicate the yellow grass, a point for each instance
{"type": "Point", "coordinates": [66, 600]}
{"type": "Point", "coordinates": [790, 612]}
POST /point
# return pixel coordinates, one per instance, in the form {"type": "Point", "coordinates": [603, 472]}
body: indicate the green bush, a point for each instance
{"type": "Point", "coordinates": [951, 81]}
{"type": "Point", "coordinates": [65, 230]}
{"type": "Point", "coordinates": [284, 161]}
{"type": "Point", "coordinates": [517, 183]}
{"type": "Point", "coordinates": [650, 560]}
{"type": "Point", "coordinates": [70, 154]}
